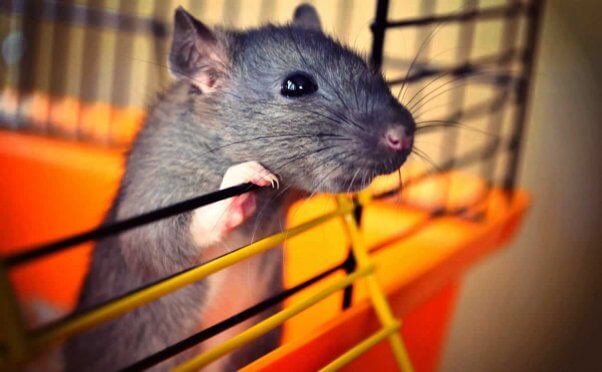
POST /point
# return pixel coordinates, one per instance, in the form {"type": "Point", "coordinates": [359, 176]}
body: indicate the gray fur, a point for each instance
{"type": "Point", "coordinates": [326, 142]}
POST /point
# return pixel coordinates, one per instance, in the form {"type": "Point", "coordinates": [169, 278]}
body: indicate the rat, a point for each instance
{"type": "Point", "coordinates": [281, 106]}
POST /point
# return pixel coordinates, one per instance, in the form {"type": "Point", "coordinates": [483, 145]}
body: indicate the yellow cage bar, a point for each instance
{"type": "Point", "coordinates": [361, 348]}
{"type": "Point", "coordinates": [269, 323]}
{"type": "Point", "coordinates": [129, 302]}
{"type": "Point", "coordinates": [22, 344]}
{"type": "Point", "coordinates": [377, 296]}
{"type": "Point", "coordinates": [365, 268]}
{"type": "Point", "coordinates": [14, 336]}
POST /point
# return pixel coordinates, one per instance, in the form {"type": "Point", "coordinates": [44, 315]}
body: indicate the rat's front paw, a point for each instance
{"type": "Point", "coordinates": [212, 222]}
{"type": "Point", "coordinates": [250, 171]}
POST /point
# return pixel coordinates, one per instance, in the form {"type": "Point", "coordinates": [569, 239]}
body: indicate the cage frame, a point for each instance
{"type": "Point", "coordinates": [22, 342]}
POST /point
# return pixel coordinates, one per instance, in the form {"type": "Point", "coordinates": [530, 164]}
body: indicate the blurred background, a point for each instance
{"type": "Point", "coordinates": [534, 306]}
{"type": "Point", "coordinates": [537, 305]}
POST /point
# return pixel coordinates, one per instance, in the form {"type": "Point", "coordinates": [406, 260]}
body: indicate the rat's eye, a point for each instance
{"type": "Point", "coordinates": [297, 85]}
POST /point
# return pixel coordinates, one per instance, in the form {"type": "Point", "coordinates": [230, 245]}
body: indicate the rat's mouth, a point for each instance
{"type": "Point", "coordinates": [349, 174]}
{"type": "Point", "coordinates": [355, 181]}
{"type": "Point", "coordinates": [357, 178]}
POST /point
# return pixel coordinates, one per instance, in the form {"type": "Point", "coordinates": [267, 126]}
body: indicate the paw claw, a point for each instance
{"type": "Point", "coordinates": [250, 171]}
{"type": "Point", "coordinates": [212, 222]}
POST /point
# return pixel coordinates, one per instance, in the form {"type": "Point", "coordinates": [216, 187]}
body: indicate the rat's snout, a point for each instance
{"type": "Point", "coordinates": [398, 139]}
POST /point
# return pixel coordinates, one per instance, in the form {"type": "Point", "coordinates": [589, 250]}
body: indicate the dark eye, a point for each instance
{"type": "Point", "coordinates": [297, 85]}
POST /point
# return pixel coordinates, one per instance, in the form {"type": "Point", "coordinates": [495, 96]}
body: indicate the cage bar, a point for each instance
{"type": "Point", "coordinates": [116, 307]}
{"type": "Point", "coordinates": [471, 15]}
{"type": "Point", "coordinates": [377, 296]}
{"type": "Point", "coordinates": [270, 323]}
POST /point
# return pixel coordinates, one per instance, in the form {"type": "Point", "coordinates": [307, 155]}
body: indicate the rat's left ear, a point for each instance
{"type": "Point", "coordinates": [306, 17]}
{"type": "Point", "coordinates": [196, 53]}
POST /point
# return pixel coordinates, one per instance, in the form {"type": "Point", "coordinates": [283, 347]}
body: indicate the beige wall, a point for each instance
{"type": "Point", "coordinates": [537, 306]}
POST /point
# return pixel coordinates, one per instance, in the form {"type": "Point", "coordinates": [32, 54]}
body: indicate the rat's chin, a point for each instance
{"type": "Point", "coordinates": [349, 184]}
{"type": "Point", "coordinates": [353, 181]}
{"type": "Point", "coordinates": [347, 179]}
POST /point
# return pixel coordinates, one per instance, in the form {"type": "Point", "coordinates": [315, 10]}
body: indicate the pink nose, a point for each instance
{"type": "Point", "coordinates": [397, 139]}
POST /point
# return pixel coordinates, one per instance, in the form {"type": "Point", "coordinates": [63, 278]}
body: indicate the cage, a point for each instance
{"type": "Point", "coordinates": [75, 81]}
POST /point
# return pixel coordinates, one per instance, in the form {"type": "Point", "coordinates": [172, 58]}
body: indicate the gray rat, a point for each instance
{"type": "Point", "coordinates": [285, 106]}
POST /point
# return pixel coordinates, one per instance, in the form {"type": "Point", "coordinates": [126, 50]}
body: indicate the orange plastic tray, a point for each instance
{"type": "Point", "coordinates": [52, 188]}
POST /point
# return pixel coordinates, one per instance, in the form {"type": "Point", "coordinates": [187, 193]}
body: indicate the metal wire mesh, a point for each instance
{"type": "Point", "coordinates": [86, 70]}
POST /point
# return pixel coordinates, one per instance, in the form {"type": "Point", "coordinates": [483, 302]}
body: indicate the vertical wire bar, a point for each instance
{"type": "Point", "coordinates": [12, 71]}
{"type": "Point", "coordinates": [45, 88]}
{"type": "Point", "coordinates": [122, 65]}
{"type": "Point", "coordinates": [523, 87]}
{"type": "Point", "coordinates": [494, 126]}
{"type": "Point", "coordinates": [422, 46]}
{"type": "Point", "coordinates": [156, 71]}
{"type": "Point", "coordinates": [458, 96]}
{"type": "Point", "coordinates": [90, 61]}
{"type": "Point", "coordinates": [61, 45]}
{"type": "Point", "coordinates": [5, 72]}
{"type": "Point", "coordinates": [377, 296]}
{"type": "Point", "coordinates": [28, 64]}
{"type": "Point", "coordinates": [378, 28]}
{"type": "Point", "coordinates": [379, 301]}
{"type": "Point", "coordinates": [349, 266]}
{"type": "Point", "coordinates": [49, 10]}
{"type": "Point", "coordinates": [351, 262]}
{"type": "Point", "coordinates": [11, 323]}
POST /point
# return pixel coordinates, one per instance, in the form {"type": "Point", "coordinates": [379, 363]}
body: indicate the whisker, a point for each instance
{"type": "Point", "coordinates": [400, 186]}
{"type": "Point", "coordinates": [331, 136]}
{"type": "Point", "coordinates": [429, 94]}
{"type": "Point", "coordinates": [417, 106]}
{"type": "Point", "coordinates": [353, 179]}
{"type": "Point", "coordinates": [343, 118]}
{"type": "Point", "coordinates": [425, 42]}
{"type": "Point", "coordinates": [446, 74]}
{"type": "Point", "coordinates": [263, 209]}
{"type": "Point", "coordinates": [421, 154]}
{"type": "Point", "coordinates": [435, 124]}
{"type": "Point", "coordinates": [417, 94]}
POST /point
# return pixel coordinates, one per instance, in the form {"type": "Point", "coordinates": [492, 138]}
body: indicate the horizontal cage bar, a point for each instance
{"type": "Point", "coordinates": [79, 322]}
{"type": "Point", "coordinates": [84, 15]}
{"type": "Point", "coordinates": [207, 333]}
{"type": "Point", "coordinates": [361, 348]}
{"type": "Point", "coordinates": [469, 69]}
{"type": "Point", "coordinates": [270, 323]}
{"type": "Point", "coordinates": [479, 14]}
{"type": "Point", "coordinates": [33, 253]}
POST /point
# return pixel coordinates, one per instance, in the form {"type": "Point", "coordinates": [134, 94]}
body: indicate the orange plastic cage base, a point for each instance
{"type": "Point", "coordinates": [52, 188]}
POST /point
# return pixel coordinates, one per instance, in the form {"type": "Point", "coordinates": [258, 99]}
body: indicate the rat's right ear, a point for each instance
{"type": "Point", "coordinates": [196, 53]}
{"type": "Point", "coordinates": [307, 17]}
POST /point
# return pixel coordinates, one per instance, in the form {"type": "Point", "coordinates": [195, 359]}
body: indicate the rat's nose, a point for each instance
{"type": "Point", "coordinates": [397, 139]}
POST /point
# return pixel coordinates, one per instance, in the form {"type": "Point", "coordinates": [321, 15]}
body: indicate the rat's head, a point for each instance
{"type": "Point", "coordinates": [292, 98]}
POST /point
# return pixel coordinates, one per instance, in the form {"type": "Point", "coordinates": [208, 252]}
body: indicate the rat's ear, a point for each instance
{"type": "Point", "coordinates": [196, 53]}
{"type": "Point", "coordinates": [306, 17]}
